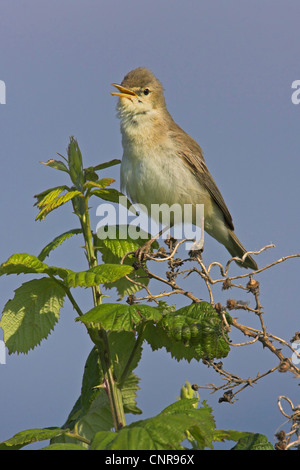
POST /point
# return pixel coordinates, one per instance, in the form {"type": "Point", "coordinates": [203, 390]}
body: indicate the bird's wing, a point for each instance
{"type": "Point", "coordinates": [191, 154]}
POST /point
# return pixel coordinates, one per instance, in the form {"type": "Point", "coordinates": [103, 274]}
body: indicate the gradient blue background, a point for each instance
{"type": "Point", "coordinates": [227, 69]}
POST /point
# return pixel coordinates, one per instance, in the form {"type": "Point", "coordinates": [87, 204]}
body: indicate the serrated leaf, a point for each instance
{"type": "Point", "coordinates": [97, 275]}
{"type": "Point", "coordinates": [48, 195]}
{"type": "Point", "coordinates": [163, 432]}
{"type": "Point", "coordinates": [98, 417]}
{"type": "Point", "coordinates": [102, 183]}
{"type": "Point", "coordinates": [57, 241]}
{"type": "Point", "coordinates": [64, 446]}
{"type": "Point", "coordinates": [23, 263]}
{"type": "Point", "coordinates": [253, 441]}
{"type": "Point", "coordinates": [114, 249]}
{"type": "Point", "coordinates": [204, 431]}
{"type": "Point", "coordinates": [121, 344]}
{"type": "Point", "coordinates": [31, 315]}
{"type": "Point", "coordinates": [91, 411]}
{"type": "Point", "coordinates": [57, 165]}
{"type": "Point", "coordinates": [29, 436]}
{"type": "Point", "coordinates": [55, 203]}
{"type": "Point", "coordinates": [129, 393]}
{"type": "Point", "coordinates": [90, 172]}
{"type": "Point", "coordinates": [192, 332]}
{"type": "Point", "coordinates": [113, 195]}
{"type": "Point", "coordinates": [120, 317]}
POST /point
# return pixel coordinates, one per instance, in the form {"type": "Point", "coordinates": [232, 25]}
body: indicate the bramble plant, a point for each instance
{"type": "Point", "coordinates": [200, 330]}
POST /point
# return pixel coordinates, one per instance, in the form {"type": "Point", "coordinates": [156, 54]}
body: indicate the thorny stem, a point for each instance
{"type": "Point", "coordinates": [99, 335]}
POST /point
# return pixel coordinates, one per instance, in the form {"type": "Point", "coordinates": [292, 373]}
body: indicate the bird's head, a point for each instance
{"type": "Point", "coordinates": [140, 93]}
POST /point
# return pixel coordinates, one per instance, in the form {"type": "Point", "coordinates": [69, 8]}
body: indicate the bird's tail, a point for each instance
{"type": "Point", "coordinates": [235, 248]}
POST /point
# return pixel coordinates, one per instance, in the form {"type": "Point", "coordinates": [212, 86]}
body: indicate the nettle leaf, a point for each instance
{"type": "Point", "coordinates": [97, 275]}
{"type": "Point", "coordinates": [29, 436]}
{"type": "Point", "coordinates": [55, 203]}
{"type": "Point", "coordinates": [31, 315]}
{"type": "Point", "coordinates": [23, 263]}
{"type": "Point", "coordinates": [120, 317]}
{"type": "Point", "coordinates": [57, 241]}
{"type": "Point", "coordinates": [191, 332]}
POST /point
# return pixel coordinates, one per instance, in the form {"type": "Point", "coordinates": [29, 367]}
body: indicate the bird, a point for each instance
{"type": "Point", "coordinates": [161, 163]}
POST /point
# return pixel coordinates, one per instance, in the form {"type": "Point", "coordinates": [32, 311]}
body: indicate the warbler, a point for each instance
{"type": "Point", "coordinates": [161, 163]}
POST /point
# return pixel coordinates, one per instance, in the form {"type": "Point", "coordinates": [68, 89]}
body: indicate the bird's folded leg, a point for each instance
{"type": "Point", "coordinates": [198, 245]}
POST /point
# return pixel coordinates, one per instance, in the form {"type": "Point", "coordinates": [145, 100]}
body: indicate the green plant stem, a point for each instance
{"type": "Point", "coordinates": [69, 295]}
{"type": "Point", "coordinates": [137, 344]}
{"type": "Point", "coordinates": [99, 335]}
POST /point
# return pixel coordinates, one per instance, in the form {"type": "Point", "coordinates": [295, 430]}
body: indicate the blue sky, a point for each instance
{"type": "Point", "coordinates": [227, 70]}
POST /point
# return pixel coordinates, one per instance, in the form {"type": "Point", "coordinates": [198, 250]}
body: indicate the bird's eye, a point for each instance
{"type": "Point", "coordinates": [146, 91]}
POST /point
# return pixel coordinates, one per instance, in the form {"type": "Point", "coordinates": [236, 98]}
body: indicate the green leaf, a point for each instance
{"type": "Point", "coordinates": [97, 418]}
{"type": "Point", "coordinates": [57, 165]}
{"type": "Point", "coordinates": [253, 441]}
{"type": "Point", "coordinates": [202, 432]}
{"type": "Point", "coordinates": [90, 172]}
{"type": "Point", "coordinates": [163, 432]}
{"type": "Point", "coordinates": [191, 332]}
{"type": "Point", "coordinates": [97, 275]}
{"type": "Point", "coordinates": [102, 440]}
{"type": "Point", "coordinates": [113, 195]}
{"type": "Point", "coordinates": [117, 247]}
{"type": "Point", "coordinates": [75, 163]}
{"type": "Point", "coordinates": [64, 446]}
{"type": "Point", "coordinates": [104, 165]}
{"type": "Point", "coordinates": [57, 241]}
{"type": "Point", "coordinates": [114, 249]}
{"type": "Point", "coordinates": [102, 183]}
{"type": "Point", "coordinates": [49, 195]}
{"type": "Point", "coordinates": [31, 315]}
{"type": "Point", "coordinates": [29, 436]}
{"type": "Point", "coordinates": [129, 393]}
{"type": "Point", "coordinates": [55, 203]}
{"type": "Point", "coordinates": [121, 345]}
{"type": "Point", "coordinates": [91, 411]}
{"type": "Point", "coordinates": [23, 263]}
{"type": "Point", "coordinates": [120, 317]}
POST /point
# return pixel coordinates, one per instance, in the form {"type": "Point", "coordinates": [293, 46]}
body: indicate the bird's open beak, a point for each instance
{"type": "Point", "coordinates": [125, 92]}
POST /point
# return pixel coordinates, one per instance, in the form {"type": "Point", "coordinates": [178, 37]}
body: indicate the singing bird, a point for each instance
{"type": "Point", "coordinates": [161, 163]}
